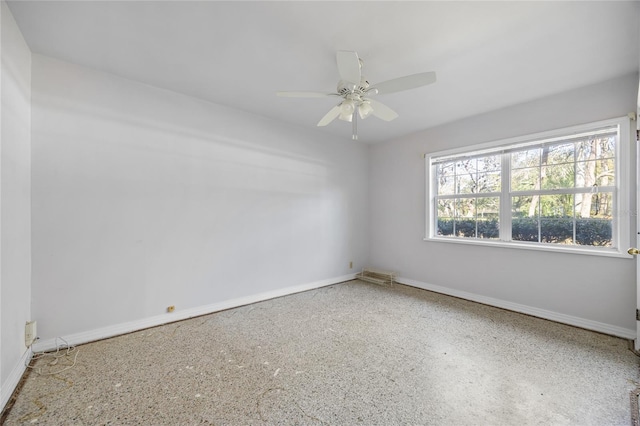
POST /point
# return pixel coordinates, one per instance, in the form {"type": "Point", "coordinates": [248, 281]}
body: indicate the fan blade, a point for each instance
{"type": "Point", "coordinates": [348, 66]}
{"type": "Point", "coordinates": [406, 83]}
{"type": "Point", "coordinates": [305, 94]}
{"type": "Point", "coordinates": [330, 116]}
{"type": "Point", "coordinates": [382, 111]}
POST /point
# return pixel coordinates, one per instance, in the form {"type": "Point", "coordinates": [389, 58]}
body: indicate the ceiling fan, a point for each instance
{"type": "Point", "coordinates": [356, 92]}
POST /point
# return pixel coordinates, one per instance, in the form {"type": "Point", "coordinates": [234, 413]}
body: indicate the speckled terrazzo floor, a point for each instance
{"type": "Point", "coordinates": [352, 353]}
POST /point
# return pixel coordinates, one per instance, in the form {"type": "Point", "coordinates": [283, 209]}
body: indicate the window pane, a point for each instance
{"type": "Point", "coordinates": [524, 206]}
{"type": "Point", "coordinates": [594, 232]}
{"type": "Point", "coordinates": [594, 205]}
{"type": "Point", "coordinates": [556, 206]}
{"type": "Point", "coordinates": [488, 217]}
{"type": "Point", "coordinates": [585, 174]}
{"type": "Point", "coordinates": [445, 217]}
{"type": "Point", "coordinates": [596, 148]}
{"type": "Point", "coordinates": [465, 185]}
{"type": "Point", "coordinates": [559, 154]}
{"type": "Point", "coordinates": [607, 147]}
{"type": "Point", "coordinates": [488, 207]}
{"type": "Point", "coordinates": [586, 150]}
{"type": "Point", "coordinates": [465, 218]}
{"type": "Point", "coordinates": [466, 176]}
{"type": "Point", "coordinates": [488, 174]}
{"type": "Point", "coordinates": [445, 178]}
{"type": "Point", "coordinates": [465, 227]}
{"type": "Point", "coordinates": [557, 176]}
{"type": "Point", "coordinates": [558, 231]}
{"type": "Point", "coordinates": [524, 219]}
{"type": "Point", "coordinates": [489, 182]}
{"type": "Point", "coordinates": [446, 208]}
{"type": "Point", "coordinates": [527, 158]}
{"type": "Point", "coordinates": [525, 229]}
{"type": "Point", "coordinates": [605, 172]}
{"type": "Point", "coordinates": [556, 218]}
{"type": "Point", "coordinates": [525, 179]}
{"type": "Point", "coordinates": [595, 173]}
{"type": "Point", "coordinates": [491, 163]}
{"type": "Point", "coordinates": [465, 207]}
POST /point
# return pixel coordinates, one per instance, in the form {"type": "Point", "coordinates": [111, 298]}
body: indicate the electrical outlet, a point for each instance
{"type": "Point", "coordinates": [350, 265]}
{"type": "Point", "coordinates": [171, 308]}
{"type": "Point", "coordinates": [30, 333]}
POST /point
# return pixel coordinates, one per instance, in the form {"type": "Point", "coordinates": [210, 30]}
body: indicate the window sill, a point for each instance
{"type": "Point", "coordinates": [606, 252]}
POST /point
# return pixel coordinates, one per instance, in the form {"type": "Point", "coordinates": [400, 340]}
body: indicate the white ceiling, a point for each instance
{"type": "Point", "coordinates": [487, 55]}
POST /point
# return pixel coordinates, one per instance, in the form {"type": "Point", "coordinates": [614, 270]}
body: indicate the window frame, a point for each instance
{"type": "Point", "coordinates": [621, 215]}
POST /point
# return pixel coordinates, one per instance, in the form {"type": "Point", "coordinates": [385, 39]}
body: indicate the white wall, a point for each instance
{"type": "Point", "coordinates": [595, 289]}
{"type": "Point", "coordinates": [15, 204]}
{"type": "Point", "coordinates": [144, 198]}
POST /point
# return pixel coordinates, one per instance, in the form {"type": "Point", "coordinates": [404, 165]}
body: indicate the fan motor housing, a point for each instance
{"type": "Point", "coordinates": [345, 88]}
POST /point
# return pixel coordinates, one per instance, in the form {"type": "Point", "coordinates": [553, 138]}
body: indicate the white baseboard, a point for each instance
{"type": "Point", "coordinates": [128, 327]}
{"type": "Point", "coordinates": [529, 310]}
{"type": "Point", "coordinates": [7, 388]}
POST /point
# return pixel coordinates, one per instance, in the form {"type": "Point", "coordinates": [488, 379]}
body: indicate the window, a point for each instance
{"type": "Point", "coordinates": [561, 190]}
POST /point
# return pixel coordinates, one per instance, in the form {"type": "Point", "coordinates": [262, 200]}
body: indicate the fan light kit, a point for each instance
{"type": "Point", "coordinates": [356, 92]}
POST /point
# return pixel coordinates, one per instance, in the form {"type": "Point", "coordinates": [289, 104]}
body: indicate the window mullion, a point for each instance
{"type": "Point", "coordinates": [505, 197]}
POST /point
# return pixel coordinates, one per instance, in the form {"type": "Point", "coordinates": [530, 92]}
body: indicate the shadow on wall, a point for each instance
{"type": "Point", "coordinates": [178, 211]}
{"type": "Point", "coordinates": [252, 164]}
